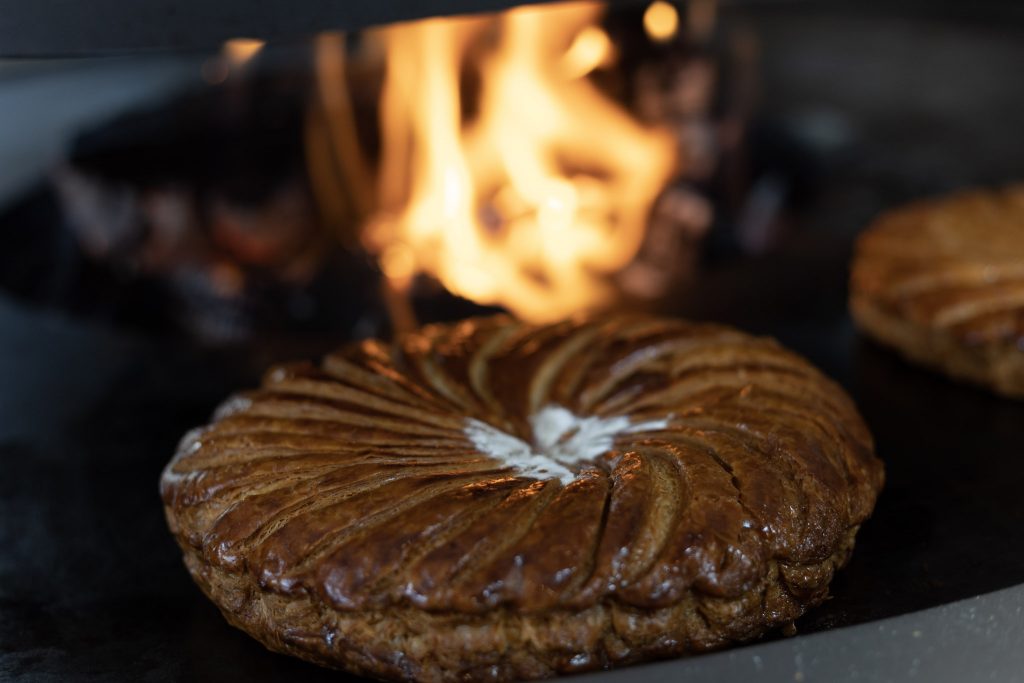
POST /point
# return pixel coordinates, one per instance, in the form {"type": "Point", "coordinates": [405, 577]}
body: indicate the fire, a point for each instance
{"type": "Point", "coordinates": [241, 50]}
{"type": "Point", "coordinates": [532, 191]}
{"type": "Point", "coordinates": [661, 21]}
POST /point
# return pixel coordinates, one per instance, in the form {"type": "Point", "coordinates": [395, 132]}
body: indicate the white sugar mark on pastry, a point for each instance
{"type": "Point", "coordinates": [515, 452]}
{"type": "Point", "coordinates": [560, 439]}
{"type": "Point", "coordinates": [233, 406]}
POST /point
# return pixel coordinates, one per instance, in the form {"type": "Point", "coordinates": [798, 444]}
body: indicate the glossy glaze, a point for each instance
{"type": "Point", "coordinates": [355, 480]}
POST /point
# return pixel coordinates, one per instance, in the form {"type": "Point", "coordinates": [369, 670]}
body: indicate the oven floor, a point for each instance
{"type": "Point", "coordinates": [91, 583]}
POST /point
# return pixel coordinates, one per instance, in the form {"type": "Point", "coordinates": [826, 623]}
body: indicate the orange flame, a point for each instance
{"type": "Point", "coordinates": [535, 193]}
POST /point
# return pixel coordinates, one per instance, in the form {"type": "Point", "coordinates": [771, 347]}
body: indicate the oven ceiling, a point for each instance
{"type": "Point", "coordinates": [48, 28]}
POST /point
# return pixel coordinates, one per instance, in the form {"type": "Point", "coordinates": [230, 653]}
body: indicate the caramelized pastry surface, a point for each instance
{"type": "Point", "coordinates": [643, 488]}
{"type": "Point", "coordinates": [943, 281]}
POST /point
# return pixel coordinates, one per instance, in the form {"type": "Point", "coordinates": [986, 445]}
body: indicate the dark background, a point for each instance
{"type": "Point", "coordinates": [50, 28]}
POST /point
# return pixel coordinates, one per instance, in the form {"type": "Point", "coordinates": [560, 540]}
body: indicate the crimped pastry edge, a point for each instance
{"type": "Point", "coordinates": [504, 645]}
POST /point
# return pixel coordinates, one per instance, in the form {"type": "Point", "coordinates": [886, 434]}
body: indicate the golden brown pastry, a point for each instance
{"type": "Point", "coordinates": [942, 281]}
{"type": "Point", "coordinates": [493, 500]}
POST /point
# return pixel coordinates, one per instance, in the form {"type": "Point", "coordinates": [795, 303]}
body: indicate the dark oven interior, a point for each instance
{"type": "Point", "coordinates": [165, 244]}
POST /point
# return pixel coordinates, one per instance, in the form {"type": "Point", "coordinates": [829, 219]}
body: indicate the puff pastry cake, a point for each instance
{"type": "Point", "coordinates": [493, 500]}
{"type": "Point", "coordinates": [942, 281]}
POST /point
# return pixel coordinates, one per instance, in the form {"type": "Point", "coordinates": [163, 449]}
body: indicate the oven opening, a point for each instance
{"type": "Point", "coordinates": [193, 192]}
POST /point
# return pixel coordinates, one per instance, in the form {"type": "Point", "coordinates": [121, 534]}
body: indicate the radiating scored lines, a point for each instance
{"type": "Point", "coordinates": [307, 481]}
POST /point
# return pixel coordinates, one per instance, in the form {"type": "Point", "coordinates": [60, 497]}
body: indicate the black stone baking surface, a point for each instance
{"type": "Point", "coordinates": [92, 586]}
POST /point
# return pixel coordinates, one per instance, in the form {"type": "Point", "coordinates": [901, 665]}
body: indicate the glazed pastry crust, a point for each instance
{"type": "Point", "coordinates": [341, 514]}
{"type": "Point", "coordinates": [942, 281]}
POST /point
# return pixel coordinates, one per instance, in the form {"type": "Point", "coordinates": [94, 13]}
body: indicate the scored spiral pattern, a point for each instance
{"type": "Point", "coordinates": [943, 280]}
{"type": "Point", "coordinates": [354, 485]}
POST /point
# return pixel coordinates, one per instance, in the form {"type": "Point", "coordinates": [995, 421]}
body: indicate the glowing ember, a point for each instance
{"type": "Point", "coordinates": [241, 50]}
{"type": "Point", "coordinates": [536, 190]}
{"type": "Point", "coordinates": [661, 21]}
